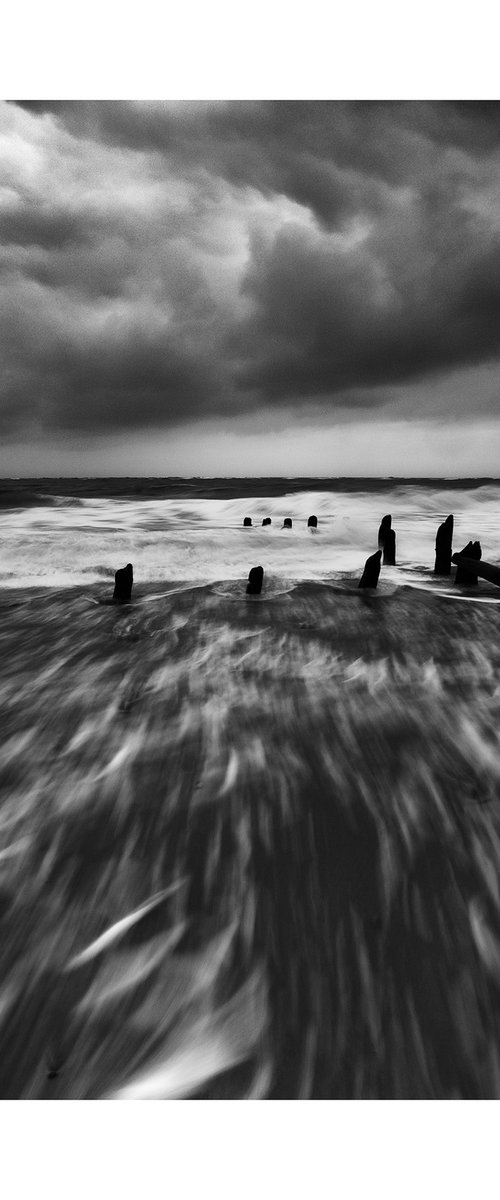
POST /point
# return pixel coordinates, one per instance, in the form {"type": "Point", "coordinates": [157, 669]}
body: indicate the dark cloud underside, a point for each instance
{"type": "Point", "coordinates": [161, 262]}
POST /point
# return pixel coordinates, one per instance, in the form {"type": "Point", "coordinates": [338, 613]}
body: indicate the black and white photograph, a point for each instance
{"type": "Point", "coordinates": [250, 600]}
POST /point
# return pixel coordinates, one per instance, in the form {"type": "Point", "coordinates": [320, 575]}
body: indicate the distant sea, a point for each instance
{"type": "Point", "coordinates": [249, 846]}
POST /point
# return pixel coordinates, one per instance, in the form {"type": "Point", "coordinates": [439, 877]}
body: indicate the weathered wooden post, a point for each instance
{"type": "Point", "coordinates": [484, 570]}
{"type": "Point", "coordinates": [387, 541]}
{"type": "Point", "coordinates": [444, 538]}
{"type": "Point", "coordinates": [465, 577]}
{"type": "Point", "coordinates": [124, 579]}
{"type": "Point", "coordinates": [369, 578]}
{"type": "Point", "coordinates": [255, 578]}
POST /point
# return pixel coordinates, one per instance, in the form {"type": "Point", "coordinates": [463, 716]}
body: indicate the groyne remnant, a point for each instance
{"type": "Point", "coordinates": [444, 538]}
{"type": "Point", "coordinates": [369, 578]}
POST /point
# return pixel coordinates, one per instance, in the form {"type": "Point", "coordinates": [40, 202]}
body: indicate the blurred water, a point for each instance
{"type": "Point", "coordinates": [76, 541]}
{"type": "Point", "coordinates": [248, 848]}
{"type": "Point", "coordinates": [249, 851]}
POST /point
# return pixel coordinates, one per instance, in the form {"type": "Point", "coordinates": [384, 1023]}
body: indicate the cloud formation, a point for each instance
{"type": "Point", "coordinates": [165, 262]}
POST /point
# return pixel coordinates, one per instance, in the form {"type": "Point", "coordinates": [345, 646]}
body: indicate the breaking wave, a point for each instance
{"type": "Point", "coordinates": [73, 541]}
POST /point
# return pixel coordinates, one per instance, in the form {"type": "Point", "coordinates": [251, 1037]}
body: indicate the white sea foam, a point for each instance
{"type": "Point", "coordinates": [204, 541]}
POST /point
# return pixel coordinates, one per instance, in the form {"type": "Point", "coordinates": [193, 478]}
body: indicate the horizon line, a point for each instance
{"type": "Point", "coordinates": [284, 478]}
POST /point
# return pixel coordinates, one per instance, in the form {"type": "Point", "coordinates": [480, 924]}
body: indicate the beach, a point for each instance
{"type": "Point", "coordinates": [249, 846]}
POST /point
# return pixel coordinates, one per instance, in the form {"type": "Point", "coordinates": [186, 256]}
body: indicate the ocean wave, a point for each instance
{"type": "Point", "coordinates": [103, 570]}
{"type": "Point", "coordinates": [61, 501]}
{"type": "Point", "coordinates": [72, 540]}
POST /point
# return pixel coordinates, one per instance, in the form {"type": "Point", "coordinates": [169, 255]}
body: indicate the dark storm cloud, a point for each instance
{"type": "Point", "coordinates": [70, 369]}
{"type": "Point", "coordinates": [275, 148]}
{"type": "Point", "coordinates": [301, 148]}
{"type": "Point", "coordinates": [325, 321]}
{"type": "Point", "coordinates": [163, 261]}
{"type": "Point", "coordinates": [35, 227]}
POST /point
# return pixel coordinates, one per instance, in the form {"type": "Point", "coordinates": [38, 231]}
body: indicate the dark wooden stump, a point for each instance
{"type": "Point", "coordinates": [124, 579]}
{"type": "Point", "coordinates": [255, 578]}
{"type": "Point", "coordinates": [444, 538]}
{"type": "Point", "coordinates": [387, 541]}
{"type": "Point", "coordinates": [464, 577]}
{"type": "Point", "coordinates": [369, 578]}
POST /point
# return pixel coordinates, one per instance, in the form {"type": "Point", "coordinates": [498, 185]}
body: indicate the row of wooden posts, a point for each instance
{"type": "Point", "coordinates": [287, 523]}
{"type": "Point", "coordinates": [467, 561]}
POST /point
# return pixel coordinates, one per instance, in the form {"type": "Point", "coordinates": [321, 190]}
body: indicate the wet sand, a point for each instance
{"type": "Point", "coordinates": [307, 789]}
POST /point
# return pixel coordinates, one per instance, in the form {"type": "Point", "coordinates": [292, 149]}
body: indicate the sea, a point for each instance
{"type": "Point", "coordinates": [249, 844]}
{"type": "Point", "coordinates": [74, 533]}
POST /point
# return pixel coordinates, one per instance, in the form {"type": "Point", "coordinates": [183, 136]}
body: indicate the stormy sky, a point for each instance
{"type": "Point", "coordinates": [250, 287]}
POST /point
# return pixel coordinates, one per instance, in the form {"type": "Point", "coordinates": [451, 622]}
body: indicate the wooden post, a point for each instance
{"type": "Point", "coordinates": [444, 538]}
{"type": "Point", "coordinates": [369, 578]}
{"type": "Point", "coordinates": [255, 578]}
{"type": "Point", "coordinates": [124, 579]}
